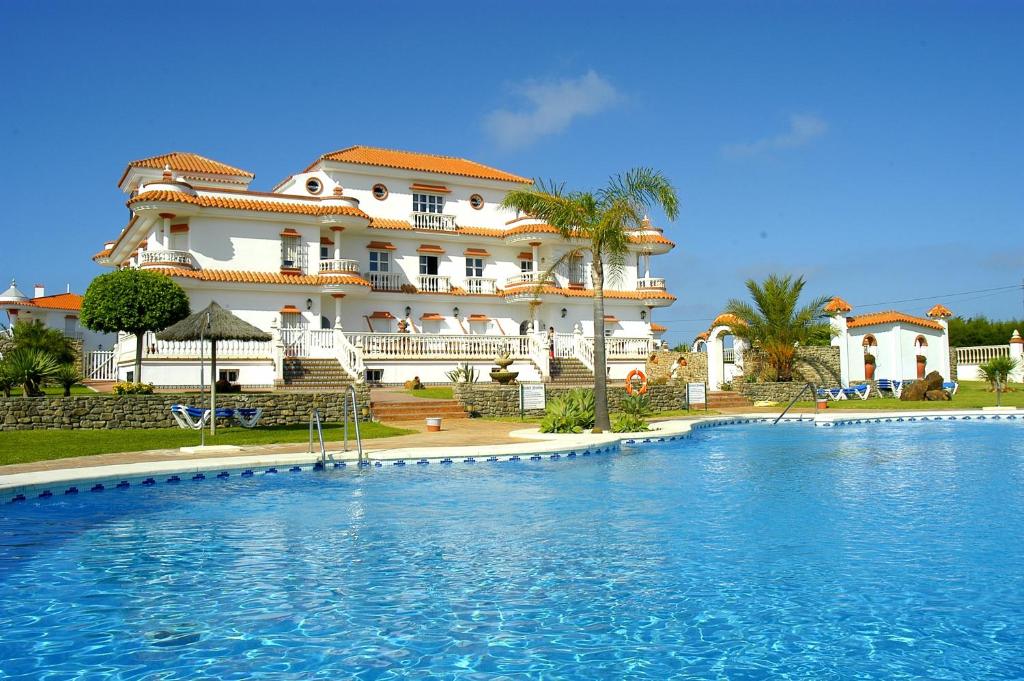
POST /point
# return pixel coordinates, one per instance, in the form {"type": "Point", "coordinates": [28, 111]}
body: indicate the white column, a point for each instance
{"type": "Point", "coordinates": [842, 339]}
{"type": "Point", "coordinates": [536, 257]}
{"type": "Point", "coordinates": [336, 233]}
{"type": "Point", "coordinates": [647, 265]}
{"type": "Point", "coordinates": [337, 311]}
{"type": "Point", "coordinates": [1017, 353]}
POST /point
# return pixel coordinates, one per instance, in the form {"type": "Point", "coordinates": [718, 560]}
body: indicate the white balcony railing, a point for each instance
{"type": "Point", "coordinates": [438, 221]}
{"type": "Point", "coordinates": [481, 285]}
{"type": "Point", "coordinates": [159, 349]}
{"type": "Point", "coordinates": [437, 346]}
{"type": "Point", "coordinates": [979, 354]}
{"type": "Point", "coordinates": [656, 283]}
{"type": "Point", "coordinates": [339, 266]}
{"type": "Point", "coordinates": [620, 346]}
{"type": "Point", "coordinates": [523, 279]}
{"type": "Point", "coordinates": [165, 259]}
{"type": "Point", "coordinates": [384, 281]}
{"type": "Point", "coordinates": [434, 283]}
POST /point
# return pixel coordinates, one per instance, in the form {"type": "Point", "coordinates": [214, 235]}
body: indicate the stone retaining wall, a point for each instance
{"type": "Point", "coordinates": [489, 399]}
{"type": "Point", "coordinates": [153, 411]}
{"type": "Point", "coordinates": [771, 391]}
{"type": "Point", "coordinates": [817, 365]}
{"type": "Point", "coordinates": [661, 364]}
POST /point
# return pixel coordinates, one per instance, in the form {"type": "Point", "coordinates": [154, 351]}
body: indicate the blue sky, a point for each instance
{"type": "Point", "coordinates": [875, 148]}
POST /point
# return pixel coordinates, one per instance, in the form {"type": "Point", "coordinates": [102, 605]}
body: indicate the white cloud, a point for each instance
{"type": "Point", "coordinates": [551, 107]}
{"type": "Point", "coordinates": [803, 129]}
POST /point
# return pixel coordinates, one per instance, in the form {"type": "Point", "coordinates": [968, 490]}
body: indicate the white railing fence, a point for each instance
{"type": "Point", "coordinates": [295, 342]}
{"type": "Point", "coordinates": [349, 355]}
{"type": "Point", "coordinates": [979, 354]}
{"type": "Point", "coordinates": [584, 350]}
{"type": "Point", "coordinates": [539, 353]}
{"type": "Point", "coordinates": [434, 283]}
{"type": "Point", "coordinates": [437, 346]}
{"type": "Point", "coordinates": [619, 346]}
{"type": "Point", "coordinates": [384, 281]}
{"type": "Point", "coordinates": [226, 349]}
{"type": "Point", "coordinates": [481, 285]}
{"type": "Point", "coordinates": [99, 365]}
{"type": "Point", "coordinates": [565, 345]}
{"type": "Point", "coordinates": [438, 221]}
{"type": "Point", "coordinates": [651, 283]}
{"type": "Point", "coordinates": [340, 266]}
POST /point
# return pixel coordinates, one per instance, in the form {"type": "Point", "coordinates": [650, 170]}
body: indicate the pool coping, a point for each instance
{"type": "Point", "coordinates": [48, 483]}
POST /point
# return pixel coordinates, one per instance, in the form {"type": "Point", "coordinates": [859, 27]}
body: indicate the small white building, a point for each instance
{"type": "Point", "coordinates": [59, 311]}
{"type": "Point", "coordinates": [896, 340]}
{"type": "Point", "coordinates": [393, 263]}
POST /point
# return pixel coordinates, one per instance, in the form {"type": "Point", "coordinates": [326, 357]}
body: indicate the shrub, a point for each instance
{"type": "Point", "coordinates": [726, 386]}
{"type": "Point", "coordinates": [636, 405]}
{"type": "Point", "coordinates": [628, 423]}
{"type": "Point", "coordinates": [463, 374]}
{"type": "Point", "coordinates": [921, 359]}
{"type": "Point", "coordinates": [869, 358]}
{"type": "Point", "coordinates": [30, 368]}
{"type": "Point", "coordinates": [570, 413]}
{"type": "Point", "coordinates": [35, 335]}
{"type": "Point", "coordinates": [67, 376]}
{"type": "Point", "coordinates": [7, 379]}
{"type": "Point", "coordinates": [997, 370]}
{"type": "Point", "coordinates": [128, 388]}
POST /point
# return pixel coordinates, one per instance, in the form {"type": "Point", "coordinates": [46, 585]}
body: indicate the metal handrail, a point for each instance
{"type": "Point", "coordinates": [314, 419]}
{"type": "Point", "coordinates": [351, 397]}
{"type": "Point", "coordinates": [797, 397]}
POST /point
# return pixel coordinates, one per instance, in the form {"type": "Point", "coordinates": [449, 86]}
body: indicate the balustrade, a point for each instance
{"type": "Point", "coordinates": [979, 354]}
{"type": "Point", "coordinates": [434, 283]}
{"type": "Point", "coordinates": [656, 283]}
{"type": "Point", "coordinates": [384, 281]}
{"type": "Point", "coordinates": [436, 221]}
{"type": "Point", "coordinates": [165, 258]}
{"type": "Point", "coordinates": [339, 266]}
{"type": "Point", "coordinates": [481, 285]}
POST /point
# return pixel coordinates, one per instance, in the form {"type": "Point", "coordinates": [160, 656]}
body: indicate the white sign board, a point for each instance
{"type": "Point", "coordinates": [531, 396]}
{"type": "Point", "coordinates": [696, 393]}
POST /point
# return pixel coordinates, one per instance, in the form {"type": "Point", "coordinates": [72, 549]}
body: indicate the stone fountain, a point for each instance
{"type": "Point", "coordinates": [500, 373]}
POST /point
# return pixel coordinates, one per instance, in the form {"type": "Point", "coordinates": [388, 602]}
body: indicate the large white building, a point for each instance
{"type": "Point", "coordinates": [60, 311]}
{"type": "Point", "coordinates": [389, 263]}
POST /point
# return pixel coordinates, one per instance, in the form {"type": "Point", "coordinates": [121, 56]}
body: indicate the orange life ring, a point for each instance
{"type": "Point", "coordinates": [643, 382]}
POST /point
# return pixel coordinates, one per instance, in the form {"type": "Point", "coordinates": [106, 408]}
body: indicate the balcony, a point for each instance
{"type": "Point", "coordinates": [384, 281]}
{"type": "Point", "coordinates": [339, 266]}
{"type": "Point", "coordinates": [435, 221]}
{"type": "Point", "coordinates": [650, 283]}
{"type": "Point", "coordinates": [523, 279]}
{"type": "Point", "coordinates": [481, 286]}
{"type": "Point", "coordinates": [172, 259]}
{"type": "Point", "coordinates": [434, 283]}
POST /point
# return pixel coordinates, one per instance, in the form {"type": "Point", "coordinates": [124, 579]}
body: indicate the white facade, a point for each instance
{"type": "Point", "coordinates": [59, 311]}
{"type": "Point", "coordinates": [381, 247]}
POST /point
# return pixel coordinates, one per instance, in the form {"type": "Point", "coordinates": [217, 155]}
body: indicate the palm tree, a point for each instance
{"type": "Point", "coordinates": [598, 222]}
{"type": "Point", "coordinates": [775, 325]}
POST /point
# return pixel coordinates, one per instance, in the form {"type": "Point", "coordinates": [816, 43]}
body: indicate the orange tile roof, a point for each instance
{"type": "Point", "coordinates": [310, 208]}
{"type": "Point", "coordinates": [102, 254]}
{"type": "Point", "coordinates": [726, 319]}
{"type": "Point", "coordinates": [703, 335]}
{"type": "Point", "coordinates": [837, 304]}
{"type": "Point", "coordinates": [940, 310]}
{"type": "Point", "coordinates": [249, 277]}
{"type": "Point", "coordinates": [891, 317]}
{"type": "Point", "coordinates": [58, 301]}
{"type": "Point", "coordinates": [411, 160]}
{"type": "Point", "coordinates": [431, 317]}
{"type": "Point", "coordinates": [535, 228]}
{"type": "Point", "coordinates": [186, 162]}
{"type": "Point", "coordinates": [655, 326]}
{"type": "Point", "coordinates": [587, 293]}
{"type": "Point", "coordinates": [479, 318]}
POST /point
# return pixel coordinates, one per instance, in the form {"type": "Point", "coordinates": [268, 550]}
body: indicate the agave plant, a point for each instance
{"type": "Point", "coordinates": [997, 370]}
{"type": "Point", "coordinates": [463, 373]}
{"type": "Point", "coordinates": [636, 405]}
{"type": "Point", "coordinates": [67, 376]}
{"type": "Point", "coordinates": [570, 413]}
{"type": "Point", "coordinates": [30, 368]}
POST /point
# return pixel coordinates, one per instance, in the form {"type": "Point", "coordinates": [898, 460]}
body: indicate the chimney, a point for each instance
{"type": "Point", "coordinates": [40, 291]}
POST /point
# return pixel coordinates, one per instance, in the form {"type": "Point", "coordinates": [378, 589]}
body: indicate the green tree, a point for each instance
{"type": "Point", "coordinates": [601, 220]}
{"type": "Point", "coordinates": [67, 376]}
{"type": "Point", "coordinates": [981, 331]}
{"type": "Point", "coordinates": [133, 301]}
{"type": "Point", "coordinates": [775, 325]}
{"type": "Point", "coordinates": [30, 368]}
{"type": "Point", "coordinates": [35, 335]}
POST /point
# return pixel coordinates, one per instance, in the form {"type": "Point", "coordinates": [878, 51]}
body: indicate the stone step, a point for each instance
{"type": "Point", "coordinates": [407, 411]}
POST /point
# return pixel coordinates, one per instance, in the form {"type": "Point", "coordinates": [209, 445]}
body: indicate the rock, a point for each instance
{"type": "Point", "coordinates": [937, 396]}
{"type": "Point", "coordinates": [918, 390]}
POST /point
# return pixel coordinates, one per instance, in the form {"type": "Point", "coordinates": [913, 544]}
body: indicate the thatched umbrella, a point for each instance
{"type": "Point", "coordinates": [213, 323]}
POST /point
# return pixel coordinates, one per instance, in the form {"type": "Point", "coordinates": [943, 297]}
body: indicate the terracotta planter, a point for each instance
{"type": "Point", "coordinates": [920, 370]}
{"type": "Point", "coordinates": [822, 403]}
{"type": "Point", "coordinates": [869, 372]}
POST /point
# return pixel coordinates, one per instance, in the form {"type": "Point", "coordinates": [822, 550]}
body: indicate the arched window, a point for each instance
{"type": "Point", "coordinates": [920, 342]}
{"type": "Point", "coordinates": [870, 342]}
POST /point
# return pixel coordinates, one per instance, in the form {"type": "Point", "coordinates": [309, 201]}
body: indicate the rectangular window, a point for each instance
{"type": "Point", "coordinates": [291, 320]}
{"type": "Point", "coordinates": [427, 203]}
{"type": "Point", "coordinates": [525, 265]}
{"type": "Point", "coordinates": [374, 375]}
{"type": "Point", "coordinates": [380, 261]}
{"type": "Point", "coordinates": [428, 264]}
{"type": "Point", "coordinates": [229, 375]}
{"type": "Point", "coordinates": [291, 250]}
{"type": "Point", "coordinates": [576, 270]}
{"type": "Point", "coordinates": [474, 267]}
{"type": "Point", "coordinates": [325, 252]}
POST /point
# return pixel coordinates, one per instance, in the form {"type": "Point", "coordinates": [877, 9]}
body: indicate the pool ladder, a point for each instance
{"type": "Point", "coordinates": [797, 397]}
{"type": "Point", "coordinates": [315, 423]}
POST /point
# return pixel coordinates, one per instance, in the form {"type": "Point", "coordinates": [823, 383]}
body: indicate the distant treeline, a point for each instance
{"type": "Point", "coordinates": [981, 331]}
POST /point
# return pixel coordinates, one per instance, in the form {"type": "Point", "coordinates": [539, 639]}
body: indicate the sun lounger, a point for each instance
{"type": "Point", "coordinates": [862, 391]}
{"type": "Point", "coordinates": [832, 393]}
{"type": "Point", "coordinates": [889, 385]}
{"type": "Point", "coordinates": [248, 418]}
{"type": "Point", "coordinates": [190, 418]}
{"type": "Point", "coordinates": [951, 386]}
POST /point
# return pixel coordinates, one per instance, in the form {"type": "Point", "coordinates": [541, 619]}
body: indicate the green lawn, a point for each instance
{"type": "Point", "coordinates": [58, 391]}
{"type": "Point", "coordinates": [971, 395]}
{"type": "Point", "coordinates": [22, 446]}
{"type": "Point", "coordinates": [437, 392]}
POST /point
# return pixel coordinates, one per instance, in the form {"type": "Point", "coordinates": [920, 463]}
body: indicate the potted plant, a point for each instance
{"type": "Point", "coordinates": [921, 362]}
{"type": "Point", "coordinates": [869, 366]}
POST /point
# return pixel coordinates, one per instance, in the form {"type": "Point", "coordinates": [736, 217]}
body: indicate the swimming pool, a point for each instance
{"type": "Point", "coordinates": [744, 552]}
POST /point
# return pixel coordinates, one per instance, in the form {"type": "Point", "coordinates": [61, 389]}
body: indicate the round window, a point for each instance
{"type": "Point", "coordinates": [476, 201]}
{"type": "Point", "coordinates": [380, 192]}
{"type": "Point", "coordinates": [313, 186]}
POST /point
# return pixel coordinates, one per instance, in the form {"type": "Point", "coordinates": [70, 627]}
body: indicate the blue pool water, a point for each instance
{"type": "Point", "coordinates": [868, 552]}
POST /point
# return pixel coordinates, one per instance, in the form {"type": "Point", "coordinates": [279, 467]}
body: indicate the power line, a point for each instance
{"type": "Point", "coordinates": [946, 295]}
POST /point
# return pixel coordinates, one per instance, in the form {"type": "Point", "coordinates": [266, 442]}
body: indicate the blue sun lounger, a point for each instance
{"type": "Point", "coordinates": [891, 386]}
{"type": "Point", "coordinates": [194, 418]}
{"type": "Point", "coordinates": [832, 393]}
{"type": "Point", "coordinates": [951, 386]}
{"type": "Point", "coordinates": [862, 391]}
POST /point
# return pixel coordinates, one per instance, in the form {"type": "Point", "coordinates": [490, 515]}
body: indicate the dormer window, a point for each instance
{"type": "Point", "coordinates": [314, 186]}
{"type": "Point", "coordinates": [427, 203]}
